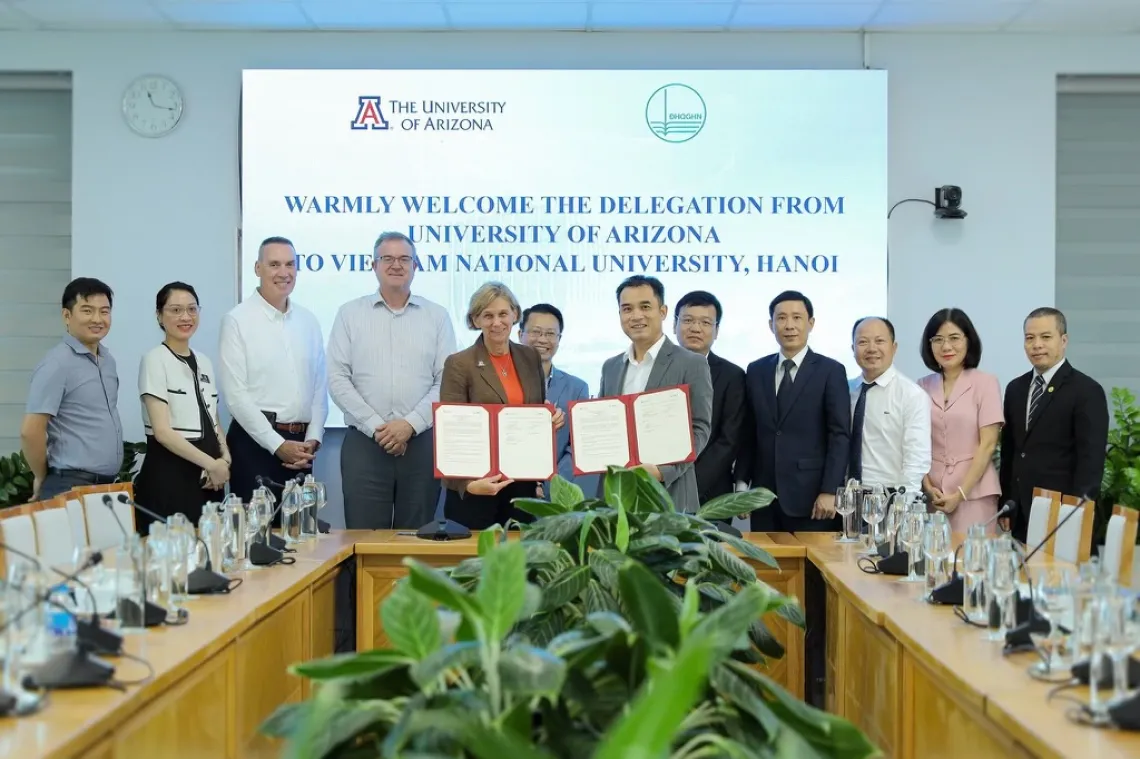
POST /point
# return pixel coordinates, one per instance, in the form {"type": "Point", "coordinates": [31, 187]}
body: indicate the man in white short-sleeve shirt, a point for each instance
{"type": "Point", "coordinates": [273, 379]}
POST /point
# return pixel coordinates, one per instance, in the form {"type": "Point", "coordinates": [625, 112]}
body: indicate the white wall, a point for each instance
{"type": "Point", "coordinates": [977, 111]}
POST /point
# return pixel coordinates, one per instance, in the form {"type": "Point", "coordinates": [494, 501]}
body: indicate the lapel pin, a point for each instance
{"type": "Point", "coordinates": [480, 365]}
{"type": "Point", "coordinates": [1050, 388]}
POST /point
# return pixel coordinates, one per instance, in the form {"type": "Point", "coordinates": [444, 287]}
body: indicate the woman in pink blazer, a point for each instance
{"type": "Point", "coordinates": [965, 420]}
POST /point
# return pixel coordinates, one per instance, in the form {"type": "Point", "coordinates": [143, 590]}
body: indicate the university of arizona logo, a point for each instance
{"type": "Point", "coordinates": [368, 114]}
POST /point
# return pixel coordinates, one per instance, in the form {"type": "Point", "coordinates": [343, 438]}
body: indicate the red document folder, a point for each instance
{"type": "Point", "coordinates": [631, 432]}
{"type": "Point", "coordinates": [493, 453]}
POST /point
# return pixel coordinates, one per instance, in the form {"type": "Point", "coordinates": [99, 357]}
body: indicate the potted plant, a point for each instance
{"type": "Point", "coordinates": [650, 662]}
{"type": "Point", "coordinates": [1121, 480]}
{"type": "Point", "coordinates": [16, 480]}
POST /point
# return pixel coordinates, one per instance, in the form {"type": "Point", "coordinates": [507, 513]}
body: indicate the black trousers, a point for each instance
{"type": "Point", "coordinates": [386, 492]}
{"type": "Point", "coordinates": [773, 519]}
{"type": "Point", "coordinates": [251, 461]}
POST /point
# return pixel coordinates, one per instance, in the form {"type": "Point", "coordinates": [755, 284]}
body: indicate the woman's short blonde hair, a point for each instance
{"type": "Point", "coordinates": [483, 298]}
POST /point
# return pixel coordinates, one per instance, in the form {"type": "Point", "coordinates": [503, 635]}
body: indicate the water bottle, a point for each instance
{"type": "Point", "coordinates": [290, 513]}
{"type": "Point", "coordinates": [130, 585]}
{"type": "Point", "coordinates": [60, 622]}
{"type": "Point", "coordinates": [234, 513]}
{"type": "Point", "coordinates": [309, 503]}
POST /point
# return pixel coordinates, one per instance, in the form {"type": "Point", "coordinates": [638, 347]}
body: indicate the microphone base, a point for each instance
{"type": "Point", "coordinates": [276, 542]}
{"type": "Point", "coordinates": [443, 529]}
{"type": "Point", "coordinates": [323, 527]}
{"type": "Point", "coordinates": [951, 593]}
{"type": "Point", "coordinates": [153, 615]}
{"type": "Point", "coordinates": [93, 637]}
{"type": "Point", "coordinates": [204, 582]}
{"type": "Point", "coordinates": [70, 669]}
{"type": "Point", "coordinates": [261, 555]}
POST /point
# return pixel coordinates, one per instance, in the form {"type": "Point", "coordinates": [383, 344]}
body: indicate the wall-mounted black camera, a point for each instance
{"type": "Point", "coordinates": [948, 202]}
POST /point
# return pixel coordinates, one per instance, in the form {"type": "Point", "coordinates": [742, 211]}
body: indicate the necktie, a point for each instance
{"type": "Point", "coordinates": [1035, 400]}
{"type": "Point", "coordinates": [855, 454]}
{"type": "Point", "coordinates": [784, 390]}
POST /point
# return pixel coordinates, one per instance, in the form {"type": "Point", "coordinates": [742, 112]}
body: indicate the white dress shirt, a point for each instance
{"type": "Point", "coordinates": [637, 372]}
{"type": "Point", "coordinates": [386, 363]}
{"type": "Point", "coordinates": [1047, 375]}
{"type": "Point", "coordinates": [273, 361]}
{"type": "Point", "coordinates": [896, 431]}
{"type": "Point", "coordinates": [799, 361]}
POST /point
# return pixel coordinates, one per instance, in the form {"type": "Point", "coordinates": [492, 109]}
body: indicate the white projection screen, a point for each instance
{"type": "Point", "coordinates": [562, 183]}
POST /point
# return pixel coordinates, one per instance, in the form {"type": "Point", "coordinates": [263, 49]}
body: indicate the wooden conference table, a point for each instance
{"type": "Point", "coordinates": [920, 683]}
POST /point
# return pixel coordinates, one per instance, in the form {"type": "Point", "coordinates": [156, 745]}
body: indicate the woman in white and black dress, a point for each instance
{"type": "Point", "coordinates": [187, 463]}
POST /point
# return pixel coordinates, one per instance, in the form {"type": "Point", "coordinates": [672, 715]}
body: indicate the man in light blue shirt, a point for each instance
{"type": "Point", "coordinates": [71, 434]}
{"type": "Point", "coordinates": [541, 328]}
{"type": "Point", "coordinates": [385, 361]}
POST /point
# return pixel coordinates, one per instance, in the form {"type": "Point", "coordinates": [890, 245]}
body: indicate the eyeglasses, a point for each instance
{"type": "Point", "coordinates": [689, 321]}
{"type": "Point", "coordinates": [537, 334]}
{"type": "Point", "coordinates": [954, 340]}
{"type": "Point", "coordinates": [401, 260]}
{"type": "Point", "coordinates": [180, 310]}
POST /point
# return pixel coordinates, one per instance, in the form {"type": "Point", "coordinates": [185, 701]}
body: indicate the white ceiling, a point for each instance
{"type": "Point", "coordinates": [1067, 16]}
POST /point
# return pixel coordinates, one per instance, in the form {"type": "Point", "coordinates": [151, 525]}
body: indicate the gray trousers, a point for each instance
{"type": "Point", "coordinates": [385, 492]}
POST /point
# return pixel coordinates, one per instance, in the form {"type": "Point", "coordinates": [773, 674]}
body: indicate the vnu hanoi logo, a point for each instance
{"type": "Point", "coordinates": [675, 113]}
{"type": "Point", "coordinates": [368, 113]}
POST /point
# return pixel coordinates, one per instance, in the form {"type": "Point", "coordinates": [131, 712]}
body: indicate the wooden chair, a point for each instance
{"type": "Point", "coordinates": [1043, 515]}
{"type": "Point", "coordinates": [1073, 542]}
{"type": "Point", "coordinates": [17, 529]}
{"type": "Point", "coordinates": [55, 540]}
{"type": "Point", "coordinates": [1120, 544]}
{"type": "Point", "coordinates": [103, 529]}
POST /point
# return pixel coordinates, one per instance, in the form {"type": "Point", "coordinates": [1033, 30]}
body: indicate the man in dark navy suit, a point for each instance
{"type": "Point", "coordinates": [1056, 423]}
{"type": "Point", "coordinates": [800, 426]}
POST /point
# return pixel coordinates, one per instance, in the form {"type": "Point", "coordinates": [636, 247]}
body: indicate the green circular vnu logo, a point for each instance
{"type": "Point", "coordinates": [675, 113]}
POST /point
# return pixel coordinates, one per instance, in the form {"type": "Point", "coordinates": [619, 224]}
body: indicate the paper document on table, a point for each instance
{"type": "Point", "coordinates": [526, 443]}
{"type": "Point", "coordinates": [599, 435]}
{"type": "Point", "coordinates": [462, 436]}
{"type": "Point", "coordinates": [663, 428]}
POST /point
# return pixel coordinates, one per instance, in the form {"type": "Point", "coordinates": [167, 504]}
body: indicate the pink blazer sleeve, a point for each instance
{"type": "Point", "coordinates": [989, 401]}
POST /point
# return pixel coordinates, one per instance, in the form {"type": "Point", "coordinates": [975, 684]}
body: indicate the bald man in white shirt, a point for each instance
{"type": "Point", "coordinates": [890, 418]}
{"type": "Point", "coordinates": [273, 376]}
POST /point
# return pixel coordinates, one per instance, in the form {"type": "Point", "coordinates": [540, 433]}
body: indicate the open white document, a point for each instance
{"type": "Point", "coordinates": [662, 424]}
{"type": "Point", "coordinates": [526, 443]}
{"type": "Point", "coordinates": [462, 437]}
{"type": "Point", "coordinates": [654, 427]}
{"type": "Point", "coordinates": [599, 435]}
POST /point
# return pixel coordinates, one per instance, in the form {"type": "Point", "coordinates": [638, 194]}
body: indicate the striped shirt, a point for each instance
{"type": "Point", "coordinates": [385, 364]}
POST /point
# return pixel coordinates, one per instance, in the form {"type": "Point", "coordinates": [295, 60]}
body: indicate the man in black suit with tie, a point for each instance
{"type": "Point", "coordinates": [1056, 423]}
{"type": "Point", "coordinates": [800, 428]}
{"type": "Point", "coordinates": [696, 321]}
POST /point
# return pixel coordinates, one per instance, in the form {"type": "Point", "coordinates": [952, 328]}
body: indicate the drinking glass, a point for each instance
{"type": "Point", "coordinates": [1121, 637]}
{"type": "Point", "coordinates": [845, 507]}
{"type": "Point", "coordinates": [910, 535]}
{"type": "Point", "coordinates": [1002, 579]}
{"type": "Point", "coordinates": [1052, 598]}
{"type": "Point", "coordinates": [874, 511]}
{"type": "Point", "coordinates": [974, 570]}
{"type": "Point", "coordinates": [937, 546]}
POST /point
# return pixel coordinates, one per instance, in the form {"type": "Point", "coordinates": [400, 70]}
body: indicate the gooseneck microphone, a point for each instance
{"type": "Point", "coordinates": [1019, 636]}
{"type": "Point", "coordinates": [87, 632]}
{"type": "Point", "coordinates": [277, 542]}
{"type": "Point", "coordinates": [953, 591]}
{"type": "Point", "coordinates": [153, 615]}
{"type": "Point", "coordinates": [203, 580]}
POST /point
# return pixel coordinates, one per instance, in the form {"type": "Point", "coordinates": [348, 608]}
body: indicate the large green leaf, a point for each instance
{"type": "Point", "coordinates": [745, 547]}
{"type": "Point", "coordinates": [530, 671]}
{"type": "Point", "coordinates": [410, 622]}
{"type": "Point", "coordinates": [489, 538]}
{"type": "Point", "coordinates": [455, 656]}
{"type": "Point", "coordinates": [647, 730]}
{"type": "Point", "coordinates": [651, 492]}
{"type": "Point", "coordinates": [439, 587]}
{"type": "Point", "coordinates": [557, 528]}
{"type": "Point", "coordinates": [732, 505]}
{"type": "Point", "coordinates": [565, 588]}
{"type": "Point", "coordinates": [605, 564]}
{"type": "Point", "coordinates": [351, 665]}
{"type": "Point", "coordinates": [540, 507]}
{"type": "Point", "coordinates": [731, 564]}
{"type": "Point", "coordinates": [621, 533]}
{"type": "Point", "coordinates": [634, 490]}
{"type": "Point", "coordinates": [745, 697]}
{"type": "Point", "coordinates": [502, 588]}
{"type": "Point", "coordinates": [665, 523]}
{"type": "Point", "coordinates": [478, 738]}
{"type": "Point", "coordinates": [727, 625]}
{"type": "Point", "coordinates": [651, 609]}
{"type": "Point", "coordinates": [565, 493]}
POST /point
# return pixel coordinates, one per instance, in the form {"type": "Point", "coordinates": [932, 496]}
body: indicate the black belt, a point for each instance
{"type": "Point", "coordinates": [79, 474]}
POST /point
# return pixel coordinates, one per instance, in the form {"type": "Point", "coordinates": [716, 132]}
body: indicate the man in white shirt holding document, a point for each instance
{"type": "Point", "coordinates": [651, 362]}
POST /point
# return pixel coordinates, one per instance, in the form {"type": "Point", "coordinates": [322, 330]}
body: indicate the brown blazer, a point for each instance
{"type": "Point", "coordinates": [469, 377]}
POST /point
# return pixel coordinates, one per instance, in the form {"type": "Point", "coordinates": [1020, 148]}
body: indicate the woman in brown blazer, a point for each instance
{"type": "Point", "coordinates": [495, 371]}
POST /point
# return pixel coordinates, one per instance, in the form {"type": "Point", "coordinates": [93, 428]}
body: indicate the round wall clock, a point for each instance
{"type": "Point", "coordinates": [152, 106]}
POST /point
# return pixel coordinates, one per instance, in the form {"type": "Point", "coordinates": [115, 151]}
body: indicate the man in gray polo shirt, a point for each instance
{"type": "Point", "coordinates": [71, 433]}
